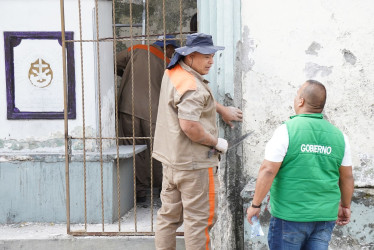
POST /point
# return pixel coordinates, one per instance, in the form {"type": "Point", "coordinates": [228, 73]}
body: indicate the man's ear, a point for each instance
{"type": "Point", "coordinates": [189, 57]}
{"type": "Point", "coordinates": [301, 102]}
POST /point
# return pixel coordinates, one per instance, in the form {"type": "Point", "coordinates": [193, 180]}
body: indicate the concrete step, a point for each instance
{"type": "Point", "coordinates": [49, 236]}
{"type": "Point", "coordinates": [85, 243]}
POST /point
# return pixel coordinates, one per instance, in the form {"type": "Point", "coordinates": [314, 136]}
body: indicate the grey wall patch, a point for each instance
{"type": "Point", "coordinates": [247, 50]}
{"type": "Point", "coordinates": [312, 69]}
{"type": "Point", "coordinates": [312, 50]}
{"type": "Point", "coordinates": [349, 56]}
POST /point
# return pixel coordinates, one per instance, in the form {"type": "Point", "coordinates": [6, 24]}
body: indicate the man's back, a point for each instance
{"type": "Point", "coordinates": [306, 186]}
{"type": "Point", "coordinates": [308, 168]}
{"type": "Point", "coordinates": [143, 81]}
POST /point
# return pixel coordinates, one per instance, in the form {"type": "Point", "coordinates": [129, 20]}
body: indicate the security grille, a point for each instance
{"type": "Point", "coordinates": [133, 22]}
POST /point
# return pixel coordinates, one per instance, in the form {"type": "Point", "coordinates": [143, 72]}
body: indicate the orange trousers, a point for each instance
{"type": "Point", "coordinates": [189, 197]}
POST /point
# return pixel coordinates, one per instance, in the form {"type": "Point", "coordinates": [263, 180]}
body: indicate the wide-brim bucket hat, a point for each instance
{"type": "Point", "coordinates": [197, 42]}
{"type": "Point", "coordinates": [169, 40]}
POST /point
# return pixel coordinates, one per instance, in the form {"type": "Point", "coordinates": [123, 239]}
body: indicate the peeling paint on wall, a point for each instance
{"type": "Point", "coordinates": [30, 144]}
{"type": "Point", "coordinates": [364, 173]}
{"type": "Point", "coordinates": [53, 143]}
{"type": "Point", "coordinates": [248, 48]}
{"type": "Point", "coordinates": [335, 49]}
{"type": "Point", "coordinates": [349, 57]}
{"type": "Point", "coordinates": [313, 48]}
{"type": "Point", "coordinates": [90, 145]}
{"type": "Point", "coordinates": [313, 70]}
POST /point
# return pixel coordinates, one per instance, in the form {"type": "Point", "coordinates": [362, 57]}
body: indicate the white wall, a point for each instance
{"type": "Point", "coordinates": [288, 42]}
{"type": "Point", "coordinates": [43, 15]}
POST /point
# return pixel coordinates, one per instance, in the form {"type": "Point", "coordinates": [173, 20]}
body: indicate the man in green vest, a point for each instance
{"type": "Point", "coordinates": [308, 170]}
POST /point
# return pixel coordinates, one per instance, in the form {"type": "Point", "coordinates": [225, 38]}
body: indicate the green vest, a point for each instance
{"type": "Point", "coordinates": [306, 187]}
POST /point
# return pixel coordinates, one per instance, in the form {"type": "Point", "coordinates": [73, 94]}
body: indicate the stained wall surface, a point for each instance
{"type": "Point", "coordinates": [288, 42]}
{"type": "Point", "coordinates": [44, 16]}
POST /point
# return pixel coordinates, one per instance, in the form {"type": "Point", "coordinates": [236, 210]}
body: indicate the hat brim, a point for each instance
{"type": "Point", "coordinates": [186, 50]}
{"type": "Point", "coordinates": [174, 60]}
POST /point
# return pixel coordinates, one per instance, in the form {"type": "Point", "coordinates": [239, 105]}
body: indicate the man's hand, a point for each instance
{"type": "Point", "coordinates": [229, 114]}
{"type": "Point", "coordinates": [251, 211]}
{"type": "Point", "coordinates": [222, 145]}
{"type": "Point", "coordinates": [344, 216]}
{"type": "Point", "coordinates": [346, 185]}
{"type": "Point", "coordinates": [232, 114]}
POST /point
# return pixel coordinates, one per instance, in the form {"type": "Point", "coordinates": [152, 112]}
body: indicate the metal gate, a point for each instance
{"type": "Point", "coordinates": [93, 146]}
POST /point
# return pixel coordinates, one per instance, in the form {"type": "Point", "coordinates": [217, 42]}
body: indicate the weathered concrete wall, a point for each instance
{"type": "Point", "coordinates": [45, 134]}
{"type": "Point", "coordinates": [293, 41]}
{"type": "Point", "coordinates": [33, 186]}
{"type": "Point", "coordinates": [328, 41]}
{"type": "Point", "coordinates": [176, 15]}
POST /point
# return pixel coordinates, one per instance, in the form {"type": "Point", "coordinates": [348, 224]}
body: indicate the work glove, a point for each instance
{"type": "Point", "coordinates": [222, 145]}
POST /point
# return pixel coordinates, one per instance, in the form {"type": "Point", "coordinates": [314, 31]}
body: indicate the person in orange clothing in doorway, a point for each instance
{"type": "Point", "coordinates": [186, 130]}
{"type": "Point", "coordinates": [146, 76]}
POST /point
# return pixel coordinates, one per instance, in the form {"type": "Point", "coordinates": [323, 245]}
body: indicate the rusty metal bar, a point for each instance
{"type": "Point", "coordinates": [180, 22]}
{"type": "Point", "coordinates": [80, 233]}
{"type": "Point", "coordinates": [63, 45]}
{"type": "Point", "coordinates": [119, 25]}
{"type": "Point", "coordinates": [106, 138]}
{"type": "Point", "coordinates": [99, 101]}
{"type": "Point", "coordinates": [116, 113]}
{"type": "Point", "coordinates": [133, 117]}
{"type": "Point", "coordinates": [83, 117]}
{"type": "Point", "coordinates": [127, 38]}
{"type": "Point", "coordinates": [150, 110]}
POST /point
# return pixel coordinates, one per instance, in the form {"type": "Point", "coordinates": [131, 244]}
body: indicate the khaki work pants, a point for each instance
{"type": "Point", "coordinates": [188, 197]}
{"type": "Point", "coordinates": [143, 159]}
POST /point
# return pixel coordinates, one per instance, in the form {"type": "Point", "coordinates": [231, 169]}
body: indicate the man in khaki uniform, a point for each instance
{"type": "Point", "coordinates": [147, 77]}
{"type": "Point", "coordinates": [185, 131]}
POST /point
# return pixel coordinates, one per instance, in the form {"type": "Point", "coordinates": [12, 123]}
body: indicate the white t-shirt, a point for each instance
{"type": "Point", "coordinates": [276, 148]}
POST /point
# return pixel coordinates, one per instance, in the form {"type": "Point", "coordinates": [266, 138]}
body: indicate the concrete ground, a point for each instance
{"type": "Point", "coordinates": [50, 236]}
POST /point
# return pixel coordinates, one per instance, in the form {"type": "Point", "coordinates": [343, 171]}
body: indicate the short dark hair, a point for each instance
{"type": "Point", "coordinates": [315, 95]}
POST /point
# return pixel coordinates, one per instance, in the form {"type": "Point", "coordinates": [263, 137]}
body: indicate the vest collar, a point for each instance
{"type": "Point", "coordinates": [317, 116]}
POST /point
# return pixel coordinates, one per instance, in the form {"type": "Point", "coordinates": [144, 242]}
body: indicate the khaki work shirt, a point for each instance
{"type": "Point", "coordinates": [139, 74]}
{"type": "Point", "coordinates": [185, 94]}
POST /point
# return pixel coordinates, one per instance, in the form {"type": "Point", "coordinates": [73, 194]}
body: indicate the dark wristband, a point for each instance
{"type": "Point", "coordinates": [256, 206]}
{"type": "Point", "coordinates": [344, 207]}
